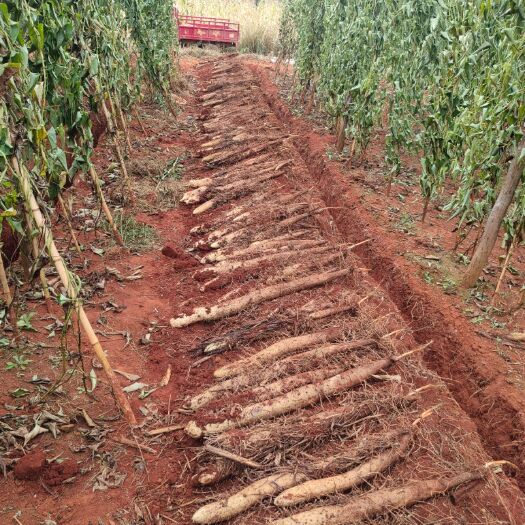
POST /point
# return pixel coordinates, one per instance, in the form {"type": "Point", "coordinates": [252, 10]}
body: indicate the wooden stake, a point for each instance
{"type": "Point", "coordinates": [69, 224]}
{"type": "Point", "coordinates": [64, 275]}
{"type": "Point", "coordinates": [123, 124]}
{"type": "Point", "coordinates": [105, 208]}
{"type": "Point", "coordinates": [114, 133]}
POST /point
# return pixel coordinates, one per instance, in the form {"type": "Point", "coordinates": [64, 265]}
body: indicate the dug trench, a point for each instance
{"type": "Point", "coordinates": [474, 374]}
{"type": "Point", "coordinates": [300, 264]}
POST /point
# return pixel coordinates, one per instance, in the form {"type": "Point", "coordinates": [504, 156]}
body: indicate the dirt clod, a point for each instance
{"type": "Point", "coordinates": [183, 260]}
{"type": "Point", "coordinates": [56, 473]}
{"type": "Point", "coordinates": [30, 466]}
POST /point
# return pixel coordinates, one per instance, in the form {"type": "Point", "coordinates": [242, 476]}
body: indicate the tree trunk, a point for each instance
{"type": "Point", "coordinates": [311, 98]}
{"type": "Point", "coordinates": [425, 208]}
{"type": "Point", "coordinates": [497, 214]}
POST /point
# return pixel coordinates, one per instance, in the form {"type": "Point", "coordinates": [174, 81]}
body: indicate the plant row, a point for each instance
{"type": "Point", "coordinates": [69, 72]}
{"type": "Point", "coordinates": [444, 79]}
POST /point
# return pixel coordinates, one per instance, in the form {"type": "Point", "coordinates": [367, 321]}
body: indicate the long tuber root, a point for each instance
{"type": "Point", "coordinates": [248, 497]}
{"type": "Point", "coordinates": [262, 442]}
{"type": "Point", "coordinates": [256, 297]}
{"type": "Point", "coordinates": [293, 364]}
{"type": "Point", "coordinates": [317, 488]}
{"type": "Point", "coordinates": [295, 399]}
{"type": "Point", "coordinates": [377, 502]}
{"type": "Point", "coordinates": [277, 350]}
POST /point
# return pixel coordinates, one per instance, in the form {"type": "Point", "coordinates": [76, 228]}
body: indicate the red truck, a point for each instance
{"type": "Point", "coordinates": [203, 29]}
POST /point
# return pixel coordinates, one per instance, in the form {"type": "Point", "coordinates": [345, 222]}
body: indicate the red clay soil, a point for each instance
{"type": "Point", "coordinates": [59, 479]}
{"type": "Point", "coordinates": [474, 373]}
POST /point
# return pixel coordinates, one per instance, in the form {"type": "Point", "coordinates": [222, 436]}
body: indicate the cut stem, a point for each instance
{"type": "Point", "coordinates": [69, 224]}
{"type": "Point", "coordinates": [105, 208]}
{"type": "Point", "coordinates": [115, 135]}
{"type": "Point", "coordinates": [503, 272]}
{"type": "Point", "coordinates": [8, 298]}
{"type": "Point", "coordinates": [123, 125]}
{"type": "Point", "coordinates": [35, 249]}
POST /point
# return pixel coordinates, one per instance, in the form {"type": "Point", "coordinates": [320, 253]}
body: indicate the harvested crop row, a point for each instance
{"type": "Point", "coordinates": [334, 378]}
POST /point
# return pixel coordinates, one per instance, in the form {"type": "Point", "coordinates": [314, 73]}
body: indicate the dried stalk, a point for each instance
{"type": "Point", "coordinates": [105, 208]}
{"type": "Point", "coordinates": [69, 224]}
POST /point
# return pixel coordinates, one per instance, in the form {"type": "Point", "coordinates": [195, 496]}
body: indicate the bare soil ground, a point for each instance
{"type": "Point", "coordinates": [278, 212]}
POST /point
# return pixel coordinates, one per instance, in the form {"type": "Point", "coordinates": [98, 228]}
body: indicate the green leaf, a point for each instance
{"type": "Point", "coordinates": [19, 392]}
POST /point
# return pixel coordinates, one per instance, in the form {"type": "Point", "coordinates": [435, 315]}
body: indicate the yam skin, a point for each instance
{"type": "Point", "coordinates": [316, 488]}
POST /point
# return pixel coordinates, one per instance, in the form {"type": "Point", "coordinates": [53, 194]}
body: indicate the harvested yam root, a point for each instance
{"type": "Point", "coordinates": [228, 191]}
{"type": "Point", "coordinates": [295, 399]}
{"type": "Point", "coordinates": [277, 350]}
{"type": "Point", "coordinates": [248, 497]}
{"type": "Point", "coordinates": [198, 183]}
{"type": "Point", "coordinates": [240, 154]}
{"type": "Point", "coordinates": [257, 297]}
{"type": "Point", "coordinates": [194, 196]}
{"type": "Point", "coordinates": [291, 365]}
{"type": "Point", "coordinates": [317, 488]}
{"type": "Point", "coordinates": [266, 225]}
{"type": "Point", "coordinates": [228, 265]}
{"type": "Point", "coordinates": [288, 441]}
{"type": "Point", "coordinates": [294, 381]}
{"type": "Point", "coordinates": [300, 433]}
{"type": "Point", "coordinates": [284, 243]}
{"type": "Point", "coordinates": [377, 502]}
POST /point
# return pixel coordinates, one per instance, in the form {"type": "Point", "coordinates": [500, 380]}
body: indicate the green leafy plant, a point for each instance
{"type": "Point", "coordinates": [24, 322]}
{"type": "Point", "coordinates": [19, 362]}
{"type": "Point", "coordinates": [154, 33]}
{"type": "Point", "coordinates": [137, 236]}
{"type": "Point", "coordinates": [174, 170]}
{"type": "Point", "coordinates": [446, 81]}
{"type": "Point", "coordinates": [428, 277]}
